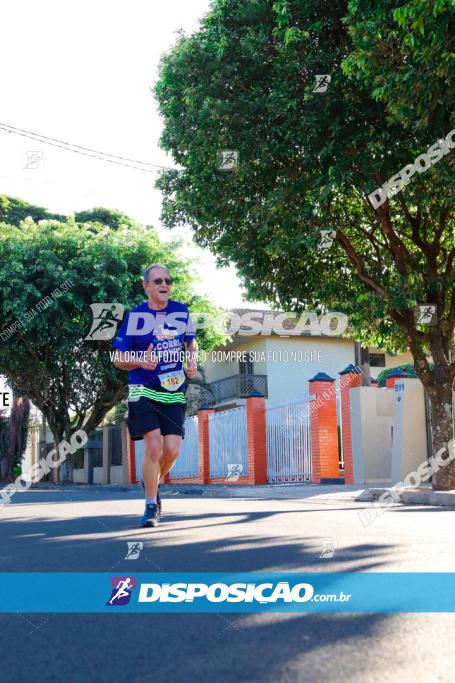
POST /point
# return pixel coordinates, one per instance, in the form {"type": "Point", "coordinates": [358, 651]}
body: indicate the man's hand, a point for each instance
{"type": "Point", "coordinates": [150, 359]}
{"type": "Point", "coordinates": [191, 367]}
{"type": "Point", "coordinates": [190, 370]}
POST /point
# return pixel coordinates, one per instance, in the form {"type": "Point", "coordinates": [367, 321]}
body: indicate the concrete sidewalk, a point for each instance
{"type": "Point", "coordinates": [423, 495]}
{"type": "Point", "coordinates": [258, 492]}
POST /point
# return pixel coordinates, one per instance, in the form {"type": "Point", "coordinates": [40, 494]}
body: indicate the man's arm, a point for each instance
{"type": "Point", "coordinates": [149, 363]}
{"type": "Point", "coordinates": [191, 367]}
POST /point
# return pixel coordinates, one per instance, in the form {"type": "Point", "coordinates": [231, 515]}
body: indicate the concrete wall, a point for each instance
{"type": "Point", "coordinates": [388, 431]}
{"type": "Point", "coordinates": [409, 436]}
{"type": "Point", "coordinates": [80, 476]}
{"type": "Point", "coordinates": [117, 474]}
{"type": "Point", "coordinates": [97, 475]}
{"type": "Point", "coordinates": [371, 430]}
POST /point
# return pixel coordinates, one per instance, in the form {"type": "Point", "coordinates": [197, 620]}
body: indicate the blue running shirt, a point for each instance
{"type": "Point", "coordinates": [166, 329]}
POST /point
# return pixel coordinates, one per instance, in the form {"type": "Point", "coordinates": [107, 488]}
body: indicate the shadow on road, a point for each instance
{"type": "Point", "coordinates": [219, 648]}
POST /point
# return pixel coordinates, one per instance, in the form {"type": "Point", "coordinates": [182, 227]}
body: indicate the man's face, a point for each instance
{"type": "Point", "coordinates": [156, 288]}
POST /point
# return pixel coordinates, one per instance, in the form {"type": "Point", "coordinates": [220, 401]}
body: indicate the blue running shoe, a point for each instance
{"type": "Point", "coordinates": [151, 515]}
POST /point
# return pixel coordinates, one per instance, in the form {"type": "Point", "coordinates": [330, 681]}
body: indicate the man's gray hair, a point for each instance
{"type": "Point", "coordinates": [155, 265]}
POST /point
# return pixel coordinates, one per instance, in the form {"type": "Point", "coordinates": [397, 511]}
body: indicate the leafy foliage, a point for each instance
{"type": "Point", "coordinates": [14, 210]}
{"type": "Point", "coordinates": [407, 367]}
{"type": "Point", "coordinates": [308, 161]}
{"type": "Point", "coordinates": [404, 52]}
{"type": "Point", "coordinates": [73, 381]}
{"type": "Point", "coordinates": [113, 219]}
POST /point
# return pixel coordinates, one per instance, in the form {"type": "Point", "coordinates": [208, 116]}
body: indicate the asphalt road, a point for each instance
{"type": "Point", "coordinates": [88, 531]}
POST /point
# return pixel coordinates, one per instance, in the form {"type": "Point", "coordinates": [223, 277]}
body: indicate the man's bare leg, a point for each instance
{"type": "Point", "coordinates": [171, 450]}
{"type": "Point", "coordinates": [153, 447]}
{"type": "Point", "coordinates": [160, 454]}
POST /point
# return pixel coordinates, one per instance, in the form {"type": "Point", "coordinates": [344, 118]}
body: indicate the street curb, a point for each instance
{"type": "Point", "coordinates": [410, 496]}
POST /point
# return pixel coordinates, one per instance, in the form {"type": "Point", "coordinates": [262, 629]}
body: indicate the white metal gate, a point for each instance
{"type": "Point", "coordinates": [187, 464]}
{"type": "Point", "coordinates": [139, 455]}
{"type": "Point", "coordinates": [228, 442]}
{"type": "Point", "coordinates": [288, 442]}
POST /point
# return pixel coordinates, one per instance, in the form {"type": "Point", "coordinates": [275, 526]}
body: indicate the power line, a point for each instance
{"type": "Point", "coordinates": [87, 149]}
{"type": "Point", "coordinates": [79, 149]}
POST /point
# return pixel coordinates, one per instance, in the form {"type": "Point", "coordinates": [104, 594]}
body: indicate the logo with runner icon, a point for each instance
{"type": "Point", "coordinates": [106, 317]}
{"type": "Point", "coordinates": [122, 587]}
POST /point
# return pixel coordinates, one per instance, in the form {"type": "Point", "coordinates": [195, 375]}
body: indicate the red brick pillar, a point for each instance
{"type": "Point", "coordinates": [395, 377]}
{"type": "Point", "coordinates": [131, 448]}
{"type": "Point", "coordinates": [204, 446]}
{"type": "Point", "coordinates": [350, 377]}
{"type": "Point", "coordinates": [323, 426]}
{"type": "Point", "coordinates": [257, 442]}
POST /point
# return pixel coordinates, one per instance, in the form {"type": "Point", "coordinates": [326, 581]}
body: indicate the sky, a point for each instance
{"type": "Point", "coordinates": [82, 72]}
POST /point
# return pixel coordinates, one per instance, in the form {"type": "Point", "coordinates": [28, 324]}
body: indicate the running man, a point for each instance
{"type": "Point", "coordinates": [152, 341]}
{"type": "Point", "coordinates": [123, 589]}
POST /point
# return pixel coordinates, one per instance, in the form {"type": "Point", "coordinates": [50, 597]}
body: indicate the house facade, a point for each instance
{"type": "Point", "coordinates": [279, 366]}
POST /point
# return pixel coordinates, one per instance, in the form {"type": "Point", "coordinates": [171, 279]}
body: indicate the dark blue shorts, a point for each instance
{"type": "Point", "coordinates": [146, 415]}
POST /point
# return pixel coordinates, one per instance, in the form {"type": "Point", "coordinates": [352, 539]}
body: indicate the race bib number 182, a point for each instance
{"type": "Point", "coordinates": [172, 380]}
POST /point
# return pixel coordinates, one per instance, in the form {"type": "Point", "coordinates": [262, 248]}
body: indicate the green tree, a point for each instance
{"type": "Point", "coordinates": [5, 468]}
{"type": "Point", "coordinates": [14, 210]}
{"type": "Point", "coordinates": [113, 219]}
{"type": "Point", "coordinates": [18, 432]}
{"type": "Point", "coordinates": [404, 53]}
{"type": "Point", "coordinates": [309, 160]}
{"type": "Point", "coordinates": [51, 273]}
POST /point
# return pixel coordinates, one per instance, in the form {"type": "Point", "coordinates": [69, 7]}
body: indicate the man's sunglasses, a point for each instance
{"type": "Point", "coordinates": [160, 280]}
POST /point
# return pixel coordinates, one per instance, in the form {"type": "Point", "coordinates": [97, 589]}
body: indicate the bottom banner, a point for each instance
{"type": "Point", "coordinates": [227, 592]}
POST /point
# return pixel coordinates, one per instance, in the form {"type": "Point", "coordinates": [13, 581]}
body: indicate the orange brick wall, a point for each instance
{"type": "Point", "coordinates": [324, 433]}
{"type": "Point", "coordinates": [204, 446]}
{"type": "Point", "coordinates": [132, 460]}
{"type": "Point", "coordinates": [257, 445]}
{"type": "Point", "coordinates": [349, 380]}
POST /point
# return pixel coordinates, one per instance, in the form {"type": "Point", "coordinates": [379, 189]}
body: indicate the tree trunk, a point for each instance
{"type": "Point", "coordinates": [6, 470]}
{"type": "Point", "coordinates": [442, 428]}
{"type": "Point", "coordinates": [55, 471]}
{"type": "Point", "coordinates": [17, 436]}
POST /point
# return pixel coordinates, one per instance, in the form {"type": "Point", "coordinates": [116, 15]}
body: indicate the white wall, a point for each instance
{"type": "Point", "coordinates": [97, 475]}
{"type": "Point", "coordinates": [391, 361]}
{"type": "Point", "coordinates": [80, 476]}
{"type": "Point", "coordinates": [117, 475]}
{"type": "Point", "coordinates": [288, 379]}
{"type": "Point", "coordinates": [409, 435]}
{"type": "Point", "coordinates": [371, 423]}
{"type": "Point", "coordinates": [215, 369]}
